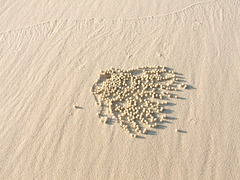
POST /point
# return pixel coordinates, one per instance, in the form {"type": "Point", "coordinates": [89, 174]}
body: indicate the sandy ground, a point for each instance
{"type": "Point", "coordinates": [50, 56]}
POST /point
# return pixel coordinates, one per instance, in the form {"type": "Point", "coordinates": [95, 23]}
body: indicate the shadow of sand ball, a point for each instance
{"type": "Point", "coordinates": [136, 97]}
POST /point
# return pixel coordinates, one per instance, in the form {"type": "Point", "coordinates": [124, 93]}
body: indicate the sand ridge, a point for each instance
{"type": "Point", "coordinates": [34, 12]}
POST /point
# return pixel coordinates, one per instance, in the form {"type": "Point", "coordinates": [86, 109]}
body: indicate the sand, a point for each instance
{"type": "Point", "coordinates": [50, 56]}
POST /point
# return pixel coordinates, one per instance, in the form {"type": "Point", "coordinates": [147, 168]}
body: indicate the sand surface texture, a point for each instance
{"type": "Point", "coordinates": [51, 55]}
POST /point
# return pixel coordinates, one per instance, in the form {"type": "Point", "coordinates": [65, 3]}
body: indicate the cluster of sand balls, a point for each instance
{"type": "Point", "coordinates": [135, 97]}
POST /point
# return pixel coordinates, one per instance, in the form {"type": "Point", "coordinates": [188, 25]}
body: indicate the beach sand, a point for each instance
{"type": "Point", "coordinates": [51, 55]}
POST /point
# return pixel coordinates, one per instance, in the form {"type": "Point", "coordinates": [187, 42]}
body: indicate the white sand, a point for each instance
{"type": "Point", "coordinates": [50, 56]}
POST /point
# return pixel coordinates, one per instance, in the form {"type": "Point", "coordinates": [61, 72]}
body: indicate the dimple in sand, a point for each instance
{"type": "Point", "coordinates": [135, 97]}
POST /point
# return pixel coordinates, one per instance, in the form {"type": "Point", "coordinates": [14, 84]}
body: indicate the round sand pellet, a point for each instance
{"type": "Point", "coordinates": [135, 97]}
